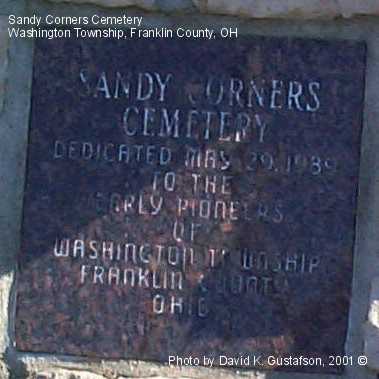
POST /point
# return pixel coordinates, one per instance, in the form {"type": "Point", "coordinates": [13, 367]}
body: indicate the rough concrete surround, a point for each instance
{"type": "Point", "coordinates": [307, 9]}
{"type": "Point", "coordinates": [372, 327]}
{"type": "Point", "coordinates": [261, 17]}
{"type": "Point", "coordinates": [302, 9]}
{"type": "Point", "coordinates": [144, 4]}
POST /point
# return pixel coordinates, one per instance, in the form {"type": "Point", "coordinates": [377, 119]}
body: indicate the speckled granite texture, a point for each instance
{"type": "Point", "coordinates": [296, 179]}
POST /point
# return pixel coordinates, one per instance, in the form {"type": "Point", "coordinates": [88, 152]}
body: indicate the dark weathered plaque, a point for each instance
{"type": "Point", "coordinates": [191, 199]}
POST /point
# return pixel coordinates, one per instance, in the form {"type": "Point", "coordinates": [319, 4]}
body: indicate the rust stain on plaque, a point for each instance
{"type": "Point", "coordinates": [191, 198]}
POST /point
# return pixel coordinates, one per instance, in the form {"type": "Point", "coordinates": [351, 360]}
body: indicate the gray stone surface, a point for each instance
{"type": "Point", "coordinates": [157, 5]}
{"type": "Point", "coordinates": [4, 44]}
{"type": "Point", "coordinates": [12, 6]}
{"type": "Point", "coordinates": [256, 8]}
{"type": "Point", "coordinates": [144, 4]}
{"type": "Point", "coordinates": [13, 137]}
{"type": "Point", "coordinates": [291, 8]}
{"type": "Point", "coordinates": [175, 5]}
{"type": "Point", "coordinates": [372, 346]}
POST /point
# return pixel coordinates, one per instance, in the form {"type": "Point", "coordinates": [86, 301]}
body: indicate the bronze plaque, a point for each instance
{"type": "Point", "coordinates": [192, 200]}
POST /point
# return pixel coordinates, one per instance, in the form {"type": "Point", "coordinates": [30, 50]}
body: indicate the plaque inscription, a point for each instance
{"type": "Point", "coordinates": [191, 199]}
